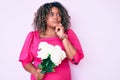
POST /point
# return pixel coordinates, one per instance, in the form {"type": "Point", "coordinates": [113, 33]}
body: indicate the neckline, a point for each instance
{"type": "Point", "coordinates": [49, 38]}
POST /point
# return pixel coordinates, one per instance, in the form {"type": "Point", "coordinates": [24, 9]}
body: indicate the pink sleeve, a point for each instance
{"type": "Point", "coordinates": [75, 42]}
{"type": "Point", "coordinates": [25, 55]}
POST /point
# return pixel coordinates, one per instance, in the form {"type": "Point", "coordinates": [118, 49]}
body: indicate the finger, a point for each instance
{"type": "Point", "coordinates": [38, 70]}
{"type": "Point", "coordinates": [57, 29]}
{"type": "Point", "coordinates": [41, 76]}
{"type": "Point", "coordinates": [37, 79]}
{"type": "Point", "coordinates": [60, 24]}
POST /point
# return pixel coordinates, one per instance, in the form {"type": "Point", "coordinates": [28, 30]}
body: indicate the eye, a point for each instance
{"type": "Point", "coordinates": [51, 14]}
{"type": "Point", "coordinates": [58, 14]}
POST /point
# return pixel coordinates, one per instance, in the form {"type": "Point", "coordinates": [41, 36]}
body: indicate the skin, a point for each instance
{"type": "Point", "coordinates": [54, 29]}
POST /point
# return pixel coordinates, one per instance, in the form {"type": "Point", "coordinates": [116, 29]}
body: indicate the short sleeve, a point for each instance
{"type": "Point", "coordinates": [26, 54]}
{"type": "Point", "coordinates": [76, 43]}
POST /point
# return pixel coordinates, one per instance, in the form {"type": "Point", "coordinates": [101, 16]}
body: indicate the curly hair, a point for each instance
{"type": "Point", "coordinates": [41, 15]}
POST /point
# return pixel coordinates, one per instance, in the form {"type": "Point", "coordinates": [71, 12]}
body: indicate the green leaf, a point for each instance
{"type": "Point", "coordinates": [40, 66]}
{"type": "Point", "coordinates": [43, 72]}
{"type": "Point", "coordinates": [47, 65]}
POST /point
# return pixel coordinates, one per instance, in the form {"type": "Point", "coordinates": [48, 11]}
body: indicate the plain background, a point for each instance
{"type": "Point", "coordinates": [96, 23]}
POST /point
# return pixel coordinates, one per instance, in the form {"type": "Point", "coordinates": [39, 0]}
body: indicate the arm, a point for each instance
{"type": "Point", "coordinates": [71, 44]}
{"type": "Point", "coordinates": [36, 72]}
{"type": "Point", "coordinates": [74, 41]}
{"type": "Point", "coordinates": [26, 57]}
{"type": "Point", "coordinates": [69, 48]}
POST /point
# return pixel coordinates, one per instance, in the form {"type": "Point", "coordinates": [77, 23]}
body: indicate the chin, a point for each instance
{"type": "Point", "coordinates": [54, 25]}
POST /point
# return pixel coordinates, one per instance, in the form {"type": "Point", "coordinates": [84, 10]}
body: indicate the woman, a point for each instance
{"type": "Point", "coordinates": [52, 25]}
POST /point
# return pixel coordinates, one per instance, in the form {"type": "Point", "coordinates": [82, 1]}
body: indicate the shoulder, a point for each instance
{"type": "Point", "coordinates": [33, 33]}
{"type": "Point", "coordinates": [69, 32]}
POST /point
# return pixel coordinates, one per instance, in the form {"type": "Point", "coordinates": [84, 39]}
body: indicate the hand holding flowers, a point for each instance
{"type": "Point", "coordinates": [51, 56]}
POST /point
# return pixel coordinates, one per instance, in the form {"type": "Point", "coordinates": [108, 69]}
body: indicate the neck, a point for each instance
{"type": "Point", "coordinates": [50, 32]}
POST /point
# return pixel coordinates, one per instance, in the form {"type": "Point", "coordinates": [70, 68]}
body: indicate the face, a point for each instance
{"type": "Point", "coordinates": [53, 18]}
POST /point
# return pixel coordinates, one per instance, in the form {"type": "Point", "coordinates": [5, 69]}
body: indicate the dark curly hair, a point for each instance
{"type": "Point", "coordinates": [41, 15]}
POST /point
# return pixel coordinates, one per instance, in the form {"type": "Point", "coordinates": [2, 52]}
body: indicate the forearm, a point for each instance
{"type": "Point", "coordinates": [70, 50]}
{"type": "Point", "coordinates": [30, 68]}
{"type": "Point", "coordinates": [36, 72]}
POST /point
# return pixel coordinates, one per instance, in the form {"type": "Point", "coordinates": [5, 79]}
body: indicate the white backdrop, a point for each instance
{"type": "Point", "coordinates": [96, 22]}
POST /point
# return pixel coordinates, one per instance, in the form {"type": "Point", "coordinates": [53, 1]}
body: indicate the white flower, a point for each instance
{"type": "Point", "coordinates": [42, 45]}
{"type": "Point", "coordinates": [55, 52]}
{"type": "Point", "coordinates": [43, 54]}
{"type": "Point", "coordinates": [58, 55]}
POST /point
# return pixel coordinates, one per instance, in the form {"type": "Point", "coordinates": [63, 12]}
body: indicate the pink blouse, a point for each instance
{"type": "Point", "coordinates": [30, 48]}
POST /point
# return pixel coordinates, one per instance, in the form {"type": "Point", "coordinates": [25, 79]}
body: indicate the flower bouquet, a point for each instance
{"type": "Point", "coordinates": [51, 57]}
